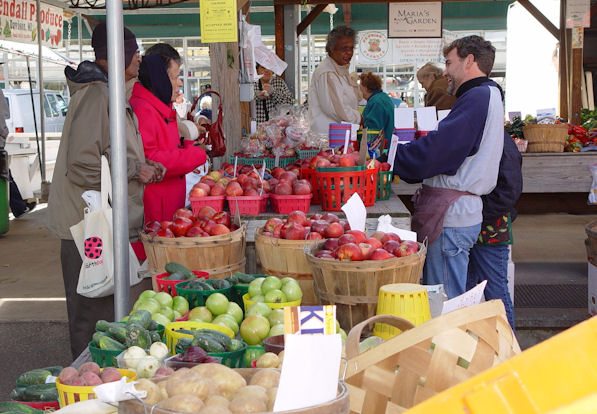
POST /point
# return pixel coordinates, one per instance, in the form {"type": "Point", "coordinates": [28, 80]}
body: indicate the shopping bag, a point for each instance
{"type": "Point", "coordinates": [93, 238]}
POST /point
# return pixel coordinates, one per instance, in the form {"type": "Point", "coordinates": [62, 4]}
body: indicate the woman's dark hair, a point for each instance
{"type": "Point", "coordinates": [370, 81]}
{"type": "Point", "coordinates": [153, 75]}
{"type": "Point", "coordinates": [166, 50]}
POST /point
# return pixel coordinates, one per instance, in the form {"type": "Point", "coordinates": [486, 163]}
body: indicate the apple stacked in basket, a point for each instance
{"type": "Point", "coordinates": [298, 226]}
{"type": "Point", "coordinates": [356, 246]}
{"type": "Point", "coordinates": [329, 158]}
{"type": "Point", "coordinates": [208, 222]}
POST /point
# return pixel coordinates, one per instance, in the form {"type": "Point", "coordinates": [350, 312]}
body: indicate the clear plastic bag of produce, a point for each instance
{"type": "Point", "coordinates": [593, 192]}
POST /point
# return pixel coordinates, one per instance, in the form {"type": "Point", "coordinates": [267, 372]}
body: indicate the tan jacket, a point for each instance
{"type": "Point", "coordinates": [437, 95]}
{"type": "Point", "coordinates": [85, 138]}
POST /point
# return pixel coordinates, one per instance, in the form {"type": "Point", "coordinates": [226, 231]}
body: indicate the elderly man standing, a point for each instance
{"type": "Point", "coordinates": [85, 138]}
{"type": "Point", "coordinates": [458, 164]}
{"type": "Point", "coordinates": [333, 94]}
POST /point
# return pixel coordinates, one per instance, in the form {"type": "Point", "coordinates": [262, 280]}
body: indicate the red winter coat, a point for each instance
{"type": "Point", "coordinates": [161, 142]}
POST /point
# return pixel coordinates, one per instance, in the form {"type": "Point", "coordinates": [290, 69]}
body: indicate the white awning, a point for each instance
{"type": "Point", "coordinates": [30, 50]}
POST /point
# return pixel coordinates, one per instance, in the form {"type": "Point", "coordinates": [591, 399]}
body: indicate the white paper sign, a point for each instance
{"type": "Point", "coordinates": [441, 114]}
{"type": "Point", "coordinates": [578, 13]}
{"type": "Point", "coordinates": [469, 298]}
{"type": "Point", "coordinates": [253, 126]}
{"type": "Point", "coordinates": [392, 151]}
{"type": "Point", "coordinates": [384, 223]}
{"type": "Point", "coordinates": [356, 212]}
{"type": "Point", "coordinates": [404, 118]}
{"type": "Point", "coordinates": [309, 371]}
{"type": "Point", "coordinates": [426, 118]}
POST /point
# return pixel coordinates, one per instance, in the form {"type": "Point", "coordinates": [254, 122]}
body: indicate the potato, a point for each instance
{"type": "Point", "coordinates": [252, 391]}
{"type": "Point", "coordinates": [67, 373]}
{"type": "Point", "coordinates": [163, 372]}
{"type": "Point", "coordinates": [227, 379]}
{"type": "Point", "coordinates": [216, 400]}
{"type": "Point", "coordinates": [89, 366]}
{"type": "Point", "coordinates": [215, 409]}
{"type": "Point", "coordinates": [281, 358]}
{"type": "Point", "coordinates": [248, 404]}
{"type": "Point", "coordinates": [184, 403]}
{"type": "Point", "coordinates": [267, 378]}
{"type": "Point", "coordinates": [76, 382]}
{"type": "Point", "coordinates": [192, 384]}
{"type": "Point", "coordinates": [91, 379]}
{"type": "Point", "coordinates": [268, 360]}
{"type": "Point", "coordinates": [154, 394]}
{"type": "Point", "coordinates": [271, 398]}
{"type": "Point", "coordinates": [110, 374]}
{"type": "Point", "coordinates": [162, 386]}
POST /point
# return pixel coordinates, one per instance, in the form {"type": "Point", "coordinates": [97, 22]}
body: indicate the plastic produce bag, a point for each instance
{"type": "Point", "coordinates": [593, 192]}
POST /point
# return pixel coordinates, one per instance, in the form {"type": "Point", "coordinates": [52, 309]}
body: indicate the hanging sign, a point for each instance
{"type": "Point", "coordinates": [373, 47]}
{"type": "Point", "coordinates": [418, 20]}
{"type": "Point", "coordinates": [420, 50]}
{"type": "Point", "coordinates": [218, 21]}
{"type": "Point", "coordinates": [18, 22]}
{"type": "Point", "coordinates": [578, 13]}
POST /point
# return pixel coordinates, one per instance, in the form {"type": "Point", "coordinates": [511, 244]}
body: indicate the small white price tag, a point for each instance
{"type": "Point", "coordinates": [392, 151]}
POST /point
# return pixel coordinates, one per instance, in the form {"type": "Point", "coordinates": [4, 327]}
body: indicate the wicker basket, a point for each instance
{"type": "Point", "coordinates": [545, 137]}
{"type": "Point", "coordinates": [218, 255]}
{"type": "Point", "coordinates": [354, 286]}
{"type": "Point", "coordinates": [286, 258]}
{"type": "Point", "coordinates": [427, 359]}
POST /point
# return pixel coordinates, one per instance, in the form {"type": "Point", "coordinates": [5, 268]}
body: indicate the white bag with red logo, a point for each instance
{"type": "Point", "coordinates": [93, 237]}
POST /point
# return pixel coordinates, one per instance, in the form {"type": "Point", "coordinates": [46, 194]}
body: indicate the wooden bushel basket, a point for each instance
{"type": "Point", "coordinates": [591, 242]}
{"type": "Point", "coordinates": [339, 405]}
{"type": "Point", "coordinates": [545, 137]}
{"type": "Point", "coordinates": [220, 255]}
{"type": "Point", "coordinates": [286, 258]}
{"type": "Point", "coordinates": [354, 286]}
{"type": "Point", "coordinates": [427, 359]}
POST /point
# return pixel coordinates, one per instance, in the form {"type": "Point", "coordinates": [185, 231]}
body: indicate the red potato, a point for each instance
{"type": "Point", "coordinates": [76, 382]}
{"type": "Point", "coordinates": [110, 374]}
{"type": "Point", "coordinates": [91, 379]}
{"type": "Point", "coordinates": [67, 374]}
{"type": "Point", "coordinates": [89, 366]}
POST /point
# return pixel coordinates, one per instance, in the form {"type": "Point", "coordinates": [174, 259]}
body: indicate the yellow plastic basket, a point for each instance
{"type": "Point", "coordinates": [70, 394]}
{"type": "Point", "coordinates": [248, 302]}
{"type": "Point", "coordinates": [558, 375]}
{"type": "Point", "coordinates": [172, 336]}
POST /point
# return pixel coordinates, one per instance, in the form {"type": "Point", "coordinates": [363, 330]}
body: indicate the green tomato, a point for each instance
{"type": "Point", "coordinates": [217, 303]}
{"type": "Point", "coordinates": [236, 311]}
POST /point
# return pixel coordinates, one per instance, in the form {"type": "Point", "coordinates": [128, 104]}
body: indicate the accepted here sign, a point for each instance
{"type": "Point", "coordinates": [18, 22]}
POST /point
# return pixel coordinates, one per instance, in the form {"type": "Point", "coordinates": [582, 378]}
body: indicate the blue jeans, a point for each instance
{"type": "Point", "coordinates": [491, 263]}
{"type": "Point", "coordinates": [447, 259]}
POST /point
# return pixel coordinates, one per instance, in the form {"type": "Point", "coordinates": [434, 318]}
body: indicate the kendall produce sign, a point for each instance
{"type": "Point", "coordinates": [18, 22]}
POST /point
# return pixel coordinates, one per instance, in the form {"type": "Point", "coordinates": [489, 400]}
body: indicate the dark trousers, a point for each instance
{"type": "Point", "coordinates": [84, 312]}
{"type": "Point", "coordinates": [16, 202]}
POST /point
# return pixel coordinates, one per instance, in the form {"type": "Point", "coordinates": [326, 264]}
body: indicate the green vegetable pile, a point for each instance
{"type": "Point", "coordinates": [31, 386]}
{"type": "Point", "coordinates": [139, 330]}
{"type": "Point", "coordinates": [209, 340]}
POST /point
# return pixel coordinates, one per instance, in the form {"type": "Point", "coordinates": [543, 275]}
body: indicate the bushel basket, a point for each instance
{"type": "Point", "coordinates": [354, 286]}
{"type": "Point", "coordinates": [545, 137]}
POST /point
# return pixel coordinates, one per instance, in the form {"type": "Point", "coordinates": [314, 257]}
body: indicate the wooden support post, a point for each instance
{"type": "Point", "coordinates": [279, 29]}
{"type": "Point", "coordinates": [563, 65]}
{"type": "Point", "coordinates": [309, 18]}
{"type": "Point", "coordinates": [347, 11]}
{"type": "Point", "coordinates": [224, 59]}
{"type": "Point", "coordinates": [577, 73]}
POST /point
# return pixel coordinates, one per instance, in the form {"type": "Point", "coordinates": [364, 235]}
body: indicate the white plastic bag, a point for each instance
{"type": "Point", "coordinates": [593, 192]}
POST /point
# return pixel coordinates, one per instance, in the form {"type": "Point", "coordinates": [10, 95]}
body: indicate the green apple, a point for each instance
{"type": "Point", "coordinates": [275, 296]}
{"type": "Point", "coordinates": [292, 291]}
{"type": "Point", "coordinates": [180, 305]}
{"type": "Point", "coordinates": [167, 312]}
{"type": "Point", "coordinates": [276, 317]}
{"type": "Point", "coordinates": [288, 280]}
{"type": "Point", "coordinates": [342, 335]}
{"type": "Point", "coordinates": [258, 298]}
{"type": "Point", "coordinates": [177, 315]}
{"type": "Point", "coordinates": [217, 303]}
{"type": "Point", "coordinates": [147, 294]}
{"type": "Point", "coordinates": [200, 313]}
{"type": "Point", "coordinates": [236, 311]}
{"type": "Point", "coordinates": [270, 283]}
{"type": "Point", "coordinates": [254, 329]}
{"type": "Point", "coordinates": [159, 318]}
{"type": "Point", "coordinates": [258, 308]}
{"type": "Point", "coordinates": [164, 298]}
{"type": "Point", "coordinates": [228, 321]}
{"type": "Point", "coordinates": [276, 330]}
{"type": "Point", "coordinates": [150, 305]}
{"type": "Point", "coordinates": [255, 287]}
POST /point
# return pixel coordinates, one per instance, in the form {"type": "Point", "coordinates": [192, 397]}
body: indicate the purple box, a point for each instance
{"type": "Point", "coordinates": [405, 134]}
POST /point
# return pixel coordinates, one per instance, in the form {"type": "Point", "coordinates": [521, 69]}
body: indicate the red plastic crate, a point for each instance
{"type": "Point", "coordinates": [216, 202]}
{"type": "Point", "coordinates": [248, 205]}
{"type": "Point", "coordinates": [309, 175]}
{"type": "Point", "coordinates": [284, 204]}
{"type": "Point", "coordinates": [169, 286]}
{"type": "Point", "coordinates": [337, 186]}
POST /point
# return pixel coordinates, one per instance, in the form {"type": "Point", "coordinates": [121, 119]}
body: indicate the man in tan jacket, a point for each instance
{"type": "Point", "coordinates": [85, 138]}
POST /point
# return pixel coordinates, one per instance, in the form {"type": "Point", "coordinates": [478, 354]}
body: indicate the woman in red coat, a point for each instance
{"type": "Point", "coordinates": [151, 100]}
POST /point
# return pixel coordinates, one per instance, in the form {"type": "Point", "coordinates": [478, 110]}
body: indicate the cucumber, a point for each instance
{"type": "Point", "coordinates": [13, 407]}
{"type": "Point", "coordinates": [153, 326]}
{"type": "Point", "coordinates": [208, 343]}
{"type": "Point", "coordinates": [118, 333]}
{"type": "Point", "coordinates": [186, 331]}
{"type": "Point", "coordinates": [108, 344]}
{"type": "Point", "coordinates": [235, 345]}
{"type": "Point", "coordinates": [55, 370]}
{"type": "Point", "coordinates": [136, 335]}
{"type": "Point", "coordinates": [17, 393]}
{"type": "Point", "coordinates": [232, 279]}
{"type": "Point", "coordinates": [141, 317]}
{"type": "Point", "coordinates": [198, 285]}
{"type": "Point", "coordinates": [182, 345]}
{"type": "Point", "coordinates": [220, 284]}
{"type": "Point", "coordinates": [40, 393]}
{"type": "Point", "coordinates": [244, 278]}
{"type": "Point", "coordinates": [223, 339]}
{"type": "Point", "coordinates": [175, 276]}
{"type": "Point", "coordinates": [172, 267]}
{"type": "Point", "coordinates": [96, 339]}
{"type": "Point", "coordinates": [102, 325]}
{"type": "Point", "coordinates": [35, 376]}
{"type": "Point", "coordinates": [155, 336]}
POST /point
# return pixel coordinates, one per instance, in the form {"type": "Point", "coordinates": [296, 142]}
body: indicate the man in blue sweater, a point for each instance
{"type": "Point", "coordinates": [457, 164]}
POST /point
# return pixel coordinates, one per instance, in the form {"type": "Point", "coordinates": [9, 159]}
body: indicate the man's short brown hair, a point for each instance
{"type": "Point", "coordinates": [481, 49]}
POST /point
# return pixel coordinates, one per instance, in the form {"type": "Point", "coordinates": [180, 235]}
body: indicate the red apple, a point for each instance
{"type": "Point", "coordinates": [278, 230]}
{"type": "Point", "coordinates": [366, 250]}
{"type": "Point", "coordinates": [378, 235]}
{"type": "Point", "coordinates": [152, 226]}
{"type": "Point", "coordinates": [391, 246]}
{"type": "Point", "coordinates": [206, 211]}
{"type": "Point", "coordinates": [165, 233]}
{"type": "Point", "coordinates": [277, 172]}
{"type": "Point", "coordinates": [345, 225]}
{"type": "Point", "coordinates": [316, 216]}
{"type": "Point", "coordinates": [223, 218]}
{"type": "Point", "coordinates": [330, 217]}
{"type": "Point", "coordinates": [297, 217]}
{"type": "Point", "coordinates": [313, 235]}
{"type": "Point", "coordinates": [283, 188]}
{"type": "Point", "coordinates": [334, 230]}
{"type": "Point", "coordinates": [199, 190]}
{"type": "Point", "coordinates": [301, 187]}
{"type": "Point", "coordinates": [406, 248]}
{"type": "Point", "coordinates": [380, 254]}
{"type": "Point", "coordinates": [296, 232]}
{"type": "Point", "coordinates": [385, 166]}
{"type": "Point", "coordinates": [271, 224]}
{"type": "Point", "coordinates": [250, 192]}
{"type": "Point", "coordinates": [350, 251]}
{"type": "Point", "coordinates": [219, 229]}
{"type": "Point", "coordinates": [331, 244]}
{"type": "Point", "coordinates": [217, 190]}
{"type": "Point", "coordinates": [323, 163]}
{"type": "Point", "coordinates": [358, 235]}
{"type": "Point", "coordinates": [208, 180]}
{"type": "Point", "coordinates": [374, 242]}
{"type": "Point", "coordinates": [166, 224]}
{"type": "Point", "coordinates": [183, 212]}
{"type": "Point", "coordinates": [242, 179]}
{"type": "Point", "coordinates": [267, 234]}
{"type": "Point", "coordinates": [233, 189]}
{"type": "Point", "coordinates": [390, 236]}
{"type": "Point", "coordinates": [181, 226]}
{"type": "Point", "coordinates": [194, 231]}
{"type": "Point", "coordinates": [245, 169]}
{"type": "Point", "coordinates": [288, 176]}
{"type": "Point", "coordinates": [346, 238]}
{"type": "Point", "coordinates": [285, 227]}
{"type": "Point", "coordinates": [346, 161]}
{"type": "Point", "coordinates": [319, 226]}
{"type": "Point", "coordinates": [324, 254]}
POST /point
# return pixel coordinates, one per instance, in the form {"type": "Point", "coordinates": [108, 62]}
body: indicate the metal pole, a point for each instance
{"type": "Point", "coordinates": [80, 36]}
{"type": "Point", "coordinates": [40, 84]}
{"type": "Point", "coordinates": [33, 107]}
{"type": "Point", "coordinates": [187, 66]}
{"type": "Point", "coordinates": [117, 96]}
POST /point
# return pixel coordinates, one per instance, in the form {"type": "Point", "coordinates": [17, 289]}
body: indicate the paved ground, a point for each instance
{"type": "Point", "coordinates": [549, 249]}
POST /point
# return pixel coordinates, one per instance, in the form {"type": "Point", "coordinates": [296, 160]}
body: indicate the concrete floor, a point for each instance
{"type": "Point", "coordinates": [548, 249]}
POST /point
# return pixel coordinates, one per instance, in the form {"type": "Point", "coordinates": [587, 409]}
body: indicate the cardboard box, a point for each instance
{"type": "Point", "coordinates": [592, 288]}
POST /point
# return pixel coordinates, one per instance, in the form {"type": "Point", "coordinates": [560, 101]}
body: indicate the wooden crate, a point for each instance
{"type": "Point", "coordinates": [217, 255]}
{"type": "Point", "coordinates": [427, 359]}
{"type": "Point", "coordinates": [354, 286]}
